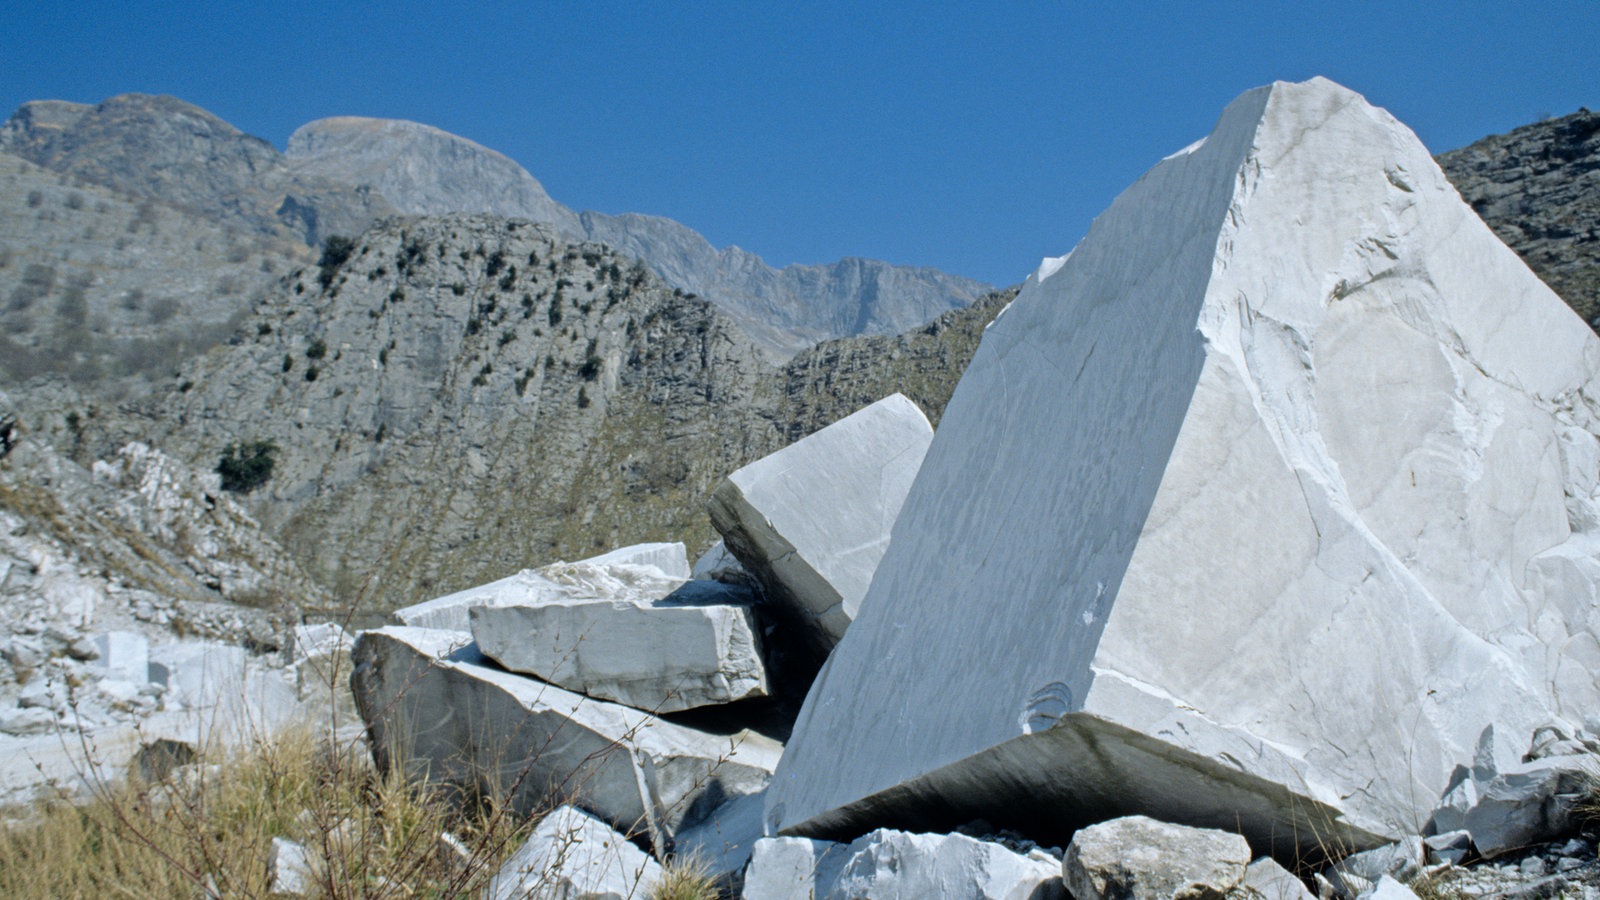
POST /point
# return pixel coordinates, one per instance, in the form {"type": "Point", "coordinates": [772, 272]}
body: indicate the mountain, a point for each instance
{"type": "Point", "coordinates": [1538, 187]}
{"type": "Point", "coordinates": [183, 156]}
{"type": "Point", "coordinates": [469, 395]}
{"type": "Point", "coordinates": [340, 175]}
{"type": "Point", "coordinates": [424, 171]}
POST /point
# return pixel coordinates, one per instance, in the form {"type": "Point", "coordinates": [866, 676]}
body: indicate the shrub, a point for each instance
{"type": "Point", "coordinates": [336, 251]}
{"type": "Point", "coordinates": [317, 350]}
{"type": "Point", "coordinates": [248, 465]}
{"type": "Point", "coordinates": [591, 368]}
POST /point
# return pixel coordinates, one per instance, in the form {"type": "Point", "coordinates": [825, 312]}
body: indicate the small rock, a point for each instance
{"type": "Point", "coordinates": [571, 854]}
{"type": "Point", "coordinates": [42, 694]}
{"type": "Point", "coordinates": [1267, 880]}
{"type": "Point", "coordinates": [291, 869]}
{"type": "Point", "coordinates": [83, 649]}
{"type": "Point", "coordinates": [1402, 861]}
{"type": "Point", "coordinates": [1451, 847]}
{"type": "Point", "coordinates": [792, 868]}
{"type": "Point", "coordinates": [1390, 889]}
{"type": "Point", "coordinates": [1139, 858]}
{"type": "Point", "coordinates": [1533, 867]}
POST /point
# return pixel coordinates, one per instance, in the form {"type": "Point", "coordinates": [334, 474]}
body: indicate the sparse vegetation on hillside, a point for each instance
{"type": "Point", "coordinates": [336, 252]}
{"type": "Point", "coordinates": [247, 466]}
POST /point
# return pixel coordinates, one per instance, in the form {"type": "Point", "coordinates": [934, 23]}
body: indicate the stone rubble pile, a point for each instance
{"type": "Point", "coordinates": [93, 706]}
{"type": "Point", "coordinates": [561, 684]}
{"type": "Point", "coordinates": [1253, 547]}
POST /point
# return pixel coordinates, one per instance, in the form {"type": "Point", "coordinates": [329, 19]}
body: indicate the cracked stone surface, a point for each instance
{"type": "Point", "coordinates": [1252, 512]}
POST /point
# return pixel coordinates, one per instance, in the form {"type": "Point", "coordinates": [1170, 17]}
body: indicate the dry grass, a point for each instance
{"type": "Point", "coordinates": [208, 831]}
{"type": "Point", "coordinates": [685, 878]}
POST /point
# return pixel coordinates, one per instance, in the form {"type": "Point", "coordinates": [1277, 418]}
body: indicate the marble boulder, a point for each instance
{"type": "Point", "coordinates": [1252, 512]}
{"type": "Point", "coordinates": [432, 703]}
{"type": "Point", "coordinates": [664, 656]}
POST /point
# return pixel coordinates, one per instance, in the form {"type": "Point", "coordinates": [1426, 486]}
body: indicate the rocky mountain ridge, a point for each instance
{"type": "Point", "coordinates": [426, 171]}
{"type": "Point", "coordinates": [340, 175]}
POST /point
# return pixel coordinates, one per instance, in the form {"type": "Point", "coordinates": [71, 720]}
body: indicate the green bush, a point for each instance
{"type": "Point", "coordinates": [247, 465]}
{"type": "Point", "coordinates": [336, 250]}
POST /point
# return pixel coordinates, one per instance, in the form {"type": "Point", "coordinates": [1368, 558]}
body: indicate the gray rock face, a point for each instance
{"type": "Point", "coordinates": [110, 290]}
{"type": "Point", "coordinates": [422, 171]}
{"type": "Point", "coordinates": [1136, 661]}
{"type": "Point", "coordinates": [661, 657]}
{"type": "Point", "coordinates": [529, 742]}
{"type": "Point", "coordinates": [889, 863]}
{"type": "Point", "coordinates": [811, 521]}
{"type": "Point", "coordinates": [1538, 187]}
{"type": "Point", "coordinates": [445, 408]}
{"type": "Point", "coordinates": [573, 856]}
{"type": "Point", "coordinates": [1139, 858]}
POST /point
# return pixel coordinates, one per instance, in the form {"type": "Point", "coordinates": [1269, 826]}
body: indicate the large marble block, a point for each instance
{"type": "Point", "coordinates": [1252, 512]}
{"type": "Point", "coordinates": [812, 520]}
{"type": "Point", "coordinates": [432, 705]}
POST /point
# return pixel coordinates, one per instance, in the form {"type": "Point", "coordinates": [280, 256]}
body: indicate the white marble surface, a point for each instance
{"type": "Point", "coordinates": [1288, 466]}
{"type": "Point", "coordinates": [659, 657]}
{"type": "Point", "coordinates": [812, 520]}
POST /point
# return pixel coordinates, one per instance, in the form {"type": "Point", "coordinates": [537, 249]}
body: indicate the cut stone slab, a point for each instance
{"type": "Point", "coordinates": [631, 573]}
{"type": "Point", "coordinates": [661, 657]}
{"type": "Point", "coordinates": [811, 521]}
{"type": "Point", "coordinates": [1139, 858]}
{"type": "Point", "coordinates": [574, 855]}
{"type": "Point", "coordinates": [888, 863]}
{"type": "Point", "coordinates": [429, 699]}
{"type": "Point", "coordinates": [1251, 513]}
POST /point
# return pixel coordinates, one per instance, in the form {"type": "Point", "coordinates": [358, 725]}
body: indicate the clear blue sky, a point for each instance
{"type": "Point", "coordinates": [972, 137]}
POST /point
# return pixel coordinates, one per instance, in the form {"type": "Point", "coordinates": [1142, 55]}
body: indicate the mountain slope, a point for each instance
{"type": "Point", "coordinates": [468, 396]}
{"type": "Point", "coordinates": [109, 290]}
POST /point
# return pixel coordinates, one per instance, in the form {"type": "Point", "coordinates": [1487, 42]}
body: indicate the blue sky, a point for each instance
{"type": "Point", "coordinates": [972, 137]}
